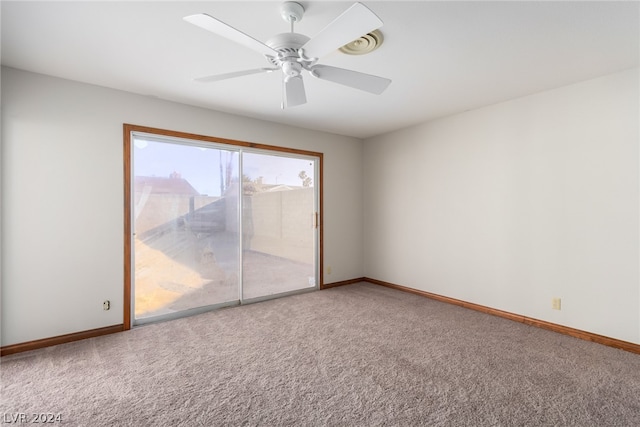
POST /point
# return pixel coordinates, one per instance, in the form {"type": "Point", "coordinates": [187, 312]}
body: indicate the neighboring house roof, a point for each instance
{"type": "Point", "coordinates": [166, 185]}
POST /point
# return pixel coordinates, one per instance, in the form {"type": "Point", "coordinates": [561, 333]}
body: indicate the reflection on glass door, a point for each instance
{"type": "Point", "coordinates": [278, 224]}
{"type": "Point", "coordinates": [186, 241]}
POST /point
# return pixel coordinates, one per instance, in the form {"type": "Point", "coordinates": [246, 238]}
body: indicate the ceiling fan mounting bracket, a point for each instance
{"type": "Point", "coordinates": [291, 11]}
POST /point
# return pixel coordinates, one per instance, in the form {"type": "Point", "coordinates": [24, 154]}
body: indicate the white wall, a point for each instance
{"type": "Point", "coordinates": [513, 204]}
{"type": "Point", "coordinates": [62, 196]}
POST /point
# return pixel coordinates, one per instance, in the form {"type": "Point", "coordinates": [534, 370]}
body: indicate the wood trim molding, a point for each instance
{"type": "Point", "coordinates": [126, 161]}
{"type": "Point", "coordinates": [61, 339]}
{"type": "Point", "coordinates": [576, 333]}
{"type": "Point", "coordinates": [321, 220]}
{"type": "Point", "coordinates": [128, 128]}
{"type": "Point", "coordinates": [128, 209]}
{"type": "Point", "coordinates": [342, 283]}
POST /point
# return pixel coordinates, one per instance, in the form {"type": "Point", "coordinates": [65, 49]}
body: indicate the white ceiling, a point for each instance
{"type": "Point", "coordinates": [443, 57]}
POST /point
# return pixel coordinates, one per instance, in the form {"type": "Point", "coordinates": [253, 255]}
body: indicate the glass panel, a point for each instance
{"type": "Point", "coordinates": [278, 224]}
{"type": "Point", "coordinates": [186, 227]}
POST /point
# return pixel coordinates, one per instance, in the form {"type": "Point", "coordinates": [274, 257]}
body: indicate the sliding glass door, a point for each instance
{"type": "Point", "coordinates": [214, 225]}
{"type": "Point", "coordinates": [278, 224]}
{"type": "Point", "coordinates": [185, 246]}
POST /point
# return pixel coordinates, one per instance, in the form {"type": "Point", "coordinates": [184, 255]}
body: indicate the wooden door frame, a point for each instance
{"type": "Point", "coordinates": [128, 129]}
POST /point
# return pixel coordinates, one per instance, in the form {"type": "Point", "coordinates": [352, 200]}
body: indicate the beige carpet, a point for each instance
{"type": "Point", "coordinates": [358, 355]}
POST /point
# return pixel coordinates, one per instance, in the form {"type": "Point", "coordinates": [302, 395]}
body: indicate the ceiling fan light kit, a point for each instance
{"type": "Point", "coordinates": [292, 52]}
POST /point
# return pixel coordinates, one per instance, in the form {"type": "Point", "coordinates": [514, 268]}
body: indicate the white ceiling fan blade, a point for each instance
{"type": "Point", "coordinates": [212, 24]}
{"type": "Point", "coordinates": [294, 92]}
{"type": "Point", "coordinates": [355, 22]}
{"type": "Point", "coordinates": [218, 77]}
{"type": "Point", "coordinates": [354, 79]}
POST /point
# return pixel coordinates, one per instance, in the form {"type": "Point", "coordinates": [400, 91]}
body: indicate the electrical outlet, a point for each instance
{"type": "Point", "coordinates": [329, 269]}
{"type": "Point", "coordinates": [106, 305]}
{"type": "Point", "coordinates": [556, 304]}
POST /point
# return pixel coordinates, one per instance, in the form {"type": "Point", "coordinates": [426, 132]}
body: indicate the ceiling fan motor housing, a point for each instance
{"type": "Point", "coordinates": [289, 59]}
{"type": "Point", "coordinates": [287, 41]}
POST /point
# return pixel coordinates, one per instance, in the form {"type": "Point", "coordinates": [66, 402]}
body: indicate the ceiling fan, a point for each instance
{"type": "Point", "coordinates": [292, 52]}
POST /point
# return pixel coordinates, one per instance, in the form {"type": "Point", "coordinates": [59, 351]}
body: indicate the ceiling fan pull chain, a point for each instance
{"type": "Point", "coordinates": [282, 96]}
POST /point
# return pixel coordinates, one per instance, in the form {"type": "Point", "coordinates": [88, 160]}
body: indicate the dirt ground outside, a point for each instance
{"type": "Point", "coordinates": [177, 272]}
